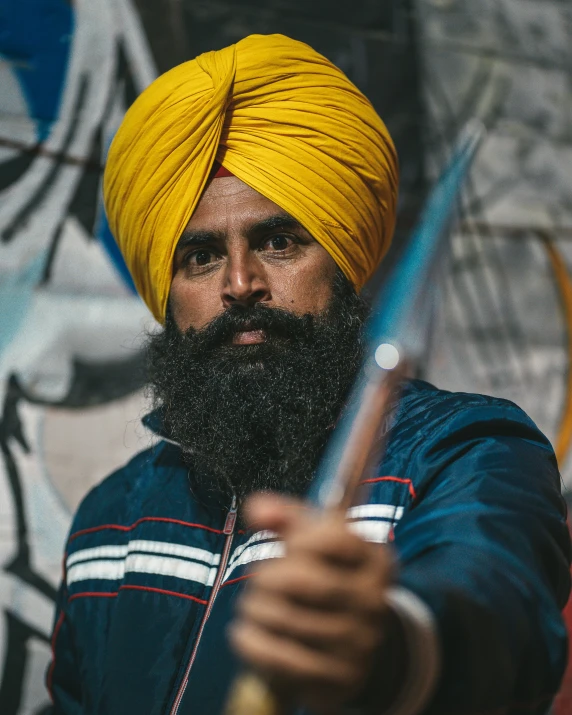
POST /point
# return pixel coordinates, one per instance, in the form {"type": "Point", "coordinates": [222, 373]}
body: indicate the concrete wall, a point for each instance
{"type": "Point", "coordinates": [502, 327]}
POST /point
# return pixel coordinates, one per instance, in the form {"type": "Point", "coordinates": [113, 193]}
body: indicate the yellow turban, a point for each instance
{"type": "Point", "coordinates": [281, 118]}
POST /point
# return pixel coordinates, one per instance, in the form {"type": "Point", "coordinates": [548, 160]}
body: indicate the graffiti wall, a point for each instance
{"type": "Point", "coordinates": [71, 328]}
{"type": "Point", "coordinates": [70, 324]}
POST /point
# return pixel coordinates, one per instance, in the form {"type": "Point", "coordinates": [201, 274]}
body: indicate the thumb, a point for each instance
{"type": "Point", "coordinates": [274, 512]}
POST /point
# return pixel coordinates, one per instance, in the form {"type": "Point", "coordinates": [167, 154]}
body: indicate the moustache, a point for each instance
{"type": "Point", "coordinates": [276, 323]}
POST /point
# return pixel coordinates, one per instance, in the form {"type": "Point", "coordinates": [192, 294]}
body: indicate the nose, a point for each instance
{"type": "Point", "coordinates": [245, 281]}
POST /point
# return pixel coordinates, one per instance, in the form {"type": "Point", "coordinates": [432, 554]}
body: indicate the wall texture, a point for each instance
{"type": "Point", "coordinates": [504, 323]}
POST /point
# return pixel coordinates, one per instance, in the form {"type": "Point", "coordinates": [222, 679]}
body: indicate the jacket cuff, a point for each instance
{"type": "Point", "coordinates": [423, 652]}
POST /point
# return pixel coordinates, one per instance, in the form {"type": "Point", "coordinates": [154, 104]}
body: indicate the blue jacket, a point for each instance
{"type": "Point", "coordinates": [468, 491]}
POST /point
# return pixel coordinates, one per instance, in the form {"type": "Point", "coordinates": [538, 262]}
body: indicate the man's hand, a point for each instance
{"type": "Point", "coordinates": [311, 623]}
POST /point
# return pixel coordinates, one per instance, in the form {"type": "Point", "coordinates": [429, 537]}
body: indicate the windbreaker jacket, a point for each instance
{"type": "Point", "coordinates": [469, 494]}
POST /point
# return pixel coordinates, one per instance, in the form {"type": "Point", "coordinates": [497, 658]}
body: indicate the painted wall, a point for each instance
{"type": "Point", "coordinates": [70, 359]}
{"type": "Point", "coordinates": [71, 329]}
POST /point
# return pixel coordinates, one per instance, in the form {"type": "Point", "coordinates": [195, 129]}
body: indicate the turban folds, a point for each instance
{"type": "Point", "coordinates": [281, 118]}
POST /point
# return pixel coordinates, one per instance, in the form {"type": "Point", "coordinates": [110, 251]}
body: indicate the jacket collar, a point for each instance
{"type": "Point", "coordinates": [154, 421]}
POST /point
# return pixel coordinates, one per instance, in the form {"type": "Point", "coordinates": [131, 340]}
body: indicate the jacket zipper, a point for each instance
{"type": "Point", "coordinates": [229, 532]}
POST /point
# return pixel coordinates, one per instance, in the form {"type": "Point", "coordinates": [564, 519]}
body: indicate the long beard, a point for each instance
{"type": "Point", "coordinates": [257, 417]}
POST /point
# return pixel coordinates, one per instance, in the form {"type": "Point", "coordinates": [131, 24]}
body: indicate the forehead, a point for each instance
{"type": "Point", "coordinates": [229, 200]}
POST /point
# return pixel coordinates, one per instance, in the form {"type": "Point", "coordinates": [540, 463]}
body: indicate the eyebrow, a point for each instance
{"type": "Point", "coordinates": [282, 220]}
{"type": "Point", "coordinates": [203, 237]}
{"type": "Point", "coordinates": [199, 238]}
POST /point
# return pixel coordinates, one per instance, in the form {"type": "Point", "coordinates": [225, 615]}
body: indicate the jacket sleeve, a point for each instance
{"type": "Point", "coordinates": [63, 677]}
{"type": "Point", "coordinates": [486, 547]}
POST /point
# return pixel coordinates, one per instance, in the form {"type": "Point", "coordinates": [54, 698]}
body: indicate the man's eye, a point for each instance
{"type": "Point", "coordinates": [201, 257]}
{"type": "Point", "coordinates": [279, 242]}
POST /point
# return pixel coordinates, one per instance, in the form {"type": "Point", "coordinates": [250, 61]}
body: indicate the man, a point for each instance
{"type": "Point", "coordinates": [252, 192]}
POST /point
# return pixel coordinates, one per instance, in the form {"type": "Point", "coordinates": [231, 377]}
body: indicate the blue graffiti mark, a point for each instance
{"type": "Point", "coordinates": [16, 294]}
{"type": "Point", "coordinates": [106, 237]}
{"type": "Point", "coordinates": [103, 233]}
{"type": "Point", "coordinates": [35, 37]}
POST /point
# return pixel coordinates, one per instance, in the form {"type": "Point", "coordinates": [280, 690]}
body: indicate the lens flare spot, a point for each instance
{"type": "Point", "coordinates": [386, 356]}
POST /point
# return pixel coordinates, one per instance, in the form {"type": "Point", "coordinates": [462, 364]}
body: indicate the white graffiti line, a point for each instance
{"type": "Point", "coordinates": [136, 45]}
{"type": "Point", "coordinates": [47, 518]}
{"type": "Point", "coordinates": [27, 603]}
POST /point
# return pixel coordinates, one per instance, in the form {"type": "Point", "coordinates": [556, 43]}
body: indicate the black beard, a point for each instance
{"type": "Point", "coordinates": [256, 417]}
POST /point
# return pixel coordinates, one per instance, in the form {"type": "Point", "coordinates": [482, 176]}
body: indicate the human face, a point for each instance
{"type": "Point", "coordinates": [256, 417]}
{"type": "Point", "coordinates": [240, 248]}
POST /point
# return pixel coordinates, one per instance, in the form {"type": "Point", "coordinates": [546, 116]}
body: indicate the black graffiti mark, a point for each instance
{"type": "Point", "coordinates": [13, 169]}
{"type": "Point", "coordinates": [27, 210]}
{"type": "Point", "coordinates": [92, 384]}
{"type": "Point", "coordinates": [11, 429]}
{"type": "Point", "coordinates": [83, 206]}
{"type": "Point", "coordinates": [85, 203]}
{"type": "Point", "coordinates": [86, 200]}
{"type": "Point", "coordinates": [11, 687]}
{"type": "Point", "coordinates": [125, 76]}
{"type": "Point", "coordinates": [50, 258]}
{"type": "Point", "coordinates": [86, 196]}
{"type": "Point", "coordinates": [99, 383]}
{"type": "Point", "coordinates": [34, 150]}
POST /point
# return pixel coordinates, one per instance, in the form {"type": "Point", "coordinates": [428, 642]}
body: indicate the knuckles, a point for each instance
{"type": "Point", "coordinates": [314, 618]}
{"type": "Point", "coordinates": [304, 580]}
{"type": "Point", "coordinates": [329, 538]}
